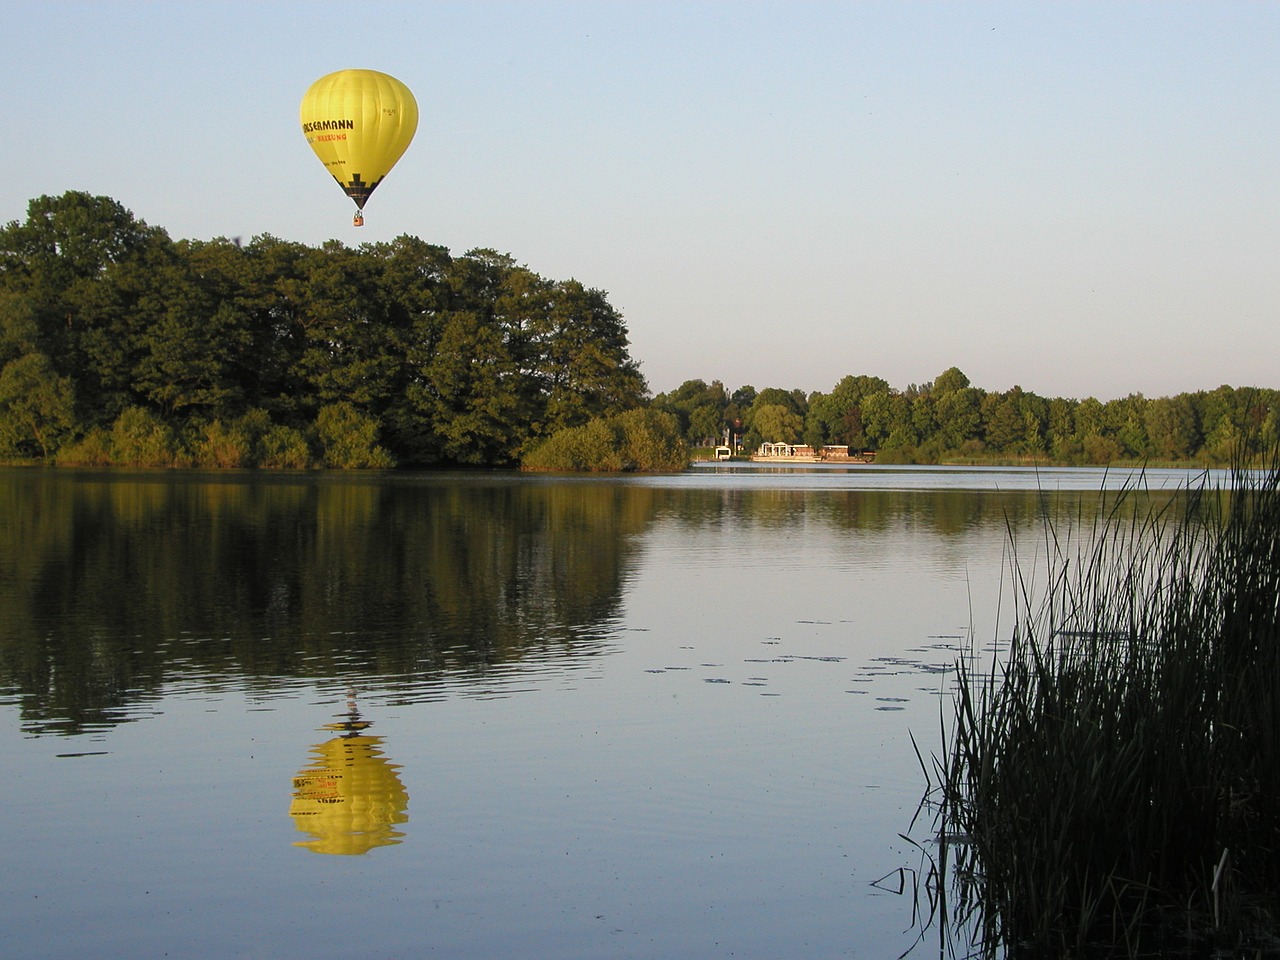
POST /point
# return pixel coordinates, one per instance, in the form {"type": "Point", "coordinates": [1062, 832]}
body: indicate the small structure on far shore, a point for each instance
{"type": "Point", "coordinates": [804, 453]}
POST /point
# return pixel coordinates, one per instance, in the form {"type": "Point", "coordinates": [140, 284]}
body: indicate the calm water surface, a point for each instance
{"type": "Point", "coordinates": [484, 715]}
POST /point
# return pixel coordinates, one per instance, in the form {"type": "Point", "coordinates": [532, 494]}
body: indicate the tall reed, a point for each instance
{"type": "Point", "coordinates": [1112, 786]}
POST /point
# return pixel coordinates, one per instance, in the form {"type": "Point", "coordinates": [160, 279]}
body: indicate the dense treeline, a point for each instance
{"type": "Point", "coordinates": [949, 419]}
{"type": "Point", "coordinates": [121, 345]}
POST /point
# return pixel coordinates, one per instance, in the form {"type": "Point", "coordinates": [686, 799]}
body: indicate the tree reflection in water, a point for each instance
{"type": "Point", "coordinates": [117, 585]}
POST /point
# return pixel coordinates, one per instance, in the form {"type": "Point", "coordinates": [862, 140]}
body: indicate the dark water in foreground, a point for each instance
{"type": "Point", "coordinates": [644, 717]}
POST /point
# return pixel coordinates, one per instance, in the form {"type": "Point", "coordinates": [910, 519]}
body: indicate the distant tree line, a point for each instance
{"type": "Point", "coordinates": [120, 345]}
{"type": "Point", "coordinates": [949, 418]}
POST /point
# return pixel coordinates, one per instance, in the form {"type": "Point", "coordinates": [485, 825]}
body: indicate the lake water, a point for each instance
{"type": "Point", "coordinates": [486, 715]}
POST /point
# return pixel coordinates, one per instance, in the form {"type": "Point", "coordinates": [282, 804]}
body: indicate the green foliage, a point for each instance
{"type": "Point", "coordinates": [249, 441]}
{"type": "Point", "coordinates": [92, 450]}
{"type": "Point", "coordinates": [794, 400]}
{"type": "Point", "coordinates": [704, 410]}
{"type": "Point", "coordinates": [959, 416]}
{"type": "Point", "coordinates": [141, 439]}
{"type": "Point", "coordinates": [775, 422]}
{"type": "Point", "coordinates": [644, 440]}
{"type": "Point", "coordinates": [283, 448]}
{"type": "Point", "coordinates": [949, 381]}
{"type": "Point", "coordinates": [468, 359]}
{"type": "Point", "coordinates": [652, 441]}
{"type": "Point", "coordinates": [37, 407]}
{"type": "Point", "coordinates": [951, 420]}
{"type": "Point", "coordinates": [1172, 429]}
{"type": "Point", "coordinates": [349, 439]}
{"type": "Point", "coordinates": [841, 417]}
{"type": "Point", "coordinates": [222, 446]}
{"type": "Point", "coordinates": [596, 446]}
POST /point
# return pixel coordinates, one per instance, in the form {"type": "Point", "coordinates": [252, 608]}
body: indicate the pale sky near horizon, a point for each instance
{"type": "Point", "coordinates": [1080, 198]}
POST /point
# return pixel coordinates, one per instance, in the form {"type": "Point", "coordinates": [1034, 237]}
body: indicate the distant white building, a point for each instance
{"type": "Point", "coordinates": [786, 451]}
{"type": "Point", "coordinates": [802, 451]}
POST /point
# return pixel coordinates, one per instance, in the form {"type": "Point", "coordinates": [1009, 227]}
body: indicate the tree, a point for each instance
{"type": "Point", "coordinates": [651, 441]}
{"type": "Point", "coordinates": [70, 238]}
{"type": "Point", "coordinates": [469, 394]}
{"type": "Point", "coordinates": [959, 416]}
{"type": "Point", "coordinates": [1015, 421]}
{"type": "Point", "coordinates": [706, 424]}
{"type": "Point", "coordinates": [37, 406]}
{"type": "Point", "coordinates": [949, 381]}
{"type": "Point", "coordinates": [1126, 424]}
{"type": "Point", "coordinates": [886, 415]}
{"type": "Point", "coordinates": [1090, 419]}
{"type": "Point", "coordinates": [924, 419]}
{"type": "Point", "coordinates": [1061, 440]}
{"type": "Point", "coordinates": [141, 439]}
{"type": "Point", "coordinates": [56, 261]}
{"type": "Point", "coordinates": [349, 438]}
{"type": "Point", "coordinates": [19, 327]}
{"type": "Point", "coordinates": [837, 417]}
{"type": "Point", "coordinates": [1035, 420]}
{"type": "Point", "coordinates": [640, 439]}
{"type": "Point", "coordinates": [793, 400]}
{"type": "Point", "coordinates": [1002, 423]}
{"type": "Point", "coordinates": [523, 309]}
{"type": "Point", "coordinates": [775, 423]}
{"type": "Point", "coordinates": [351, 351]}
{"type": "Point", "coordinates": [590, 373]}
{"type": "Point", "coordinates": [268, 282]}
{"type": "Point", "coordinates": [1224, 421]}
{"type": "Point", "coordinates": [700, 407]}
{"type": "Point", "coordinates": [1171, 426]}
{"type": "Point", "coordinates": [191, 341]}
{"type": "Point", "coordinates": [248, 327]}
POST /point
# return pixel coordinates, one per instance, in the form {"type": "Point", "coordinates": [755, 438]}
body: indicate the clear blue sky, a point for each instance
{"type": "Point", "coordinates": [1082, 198]}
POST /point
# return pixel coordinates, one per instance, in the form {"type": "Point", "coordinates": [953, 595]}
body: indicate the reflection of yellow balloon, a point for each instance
{"type": "Point", "coordinates": [359, 123]}
{"type": "Point", "coordinates": [348, 798]}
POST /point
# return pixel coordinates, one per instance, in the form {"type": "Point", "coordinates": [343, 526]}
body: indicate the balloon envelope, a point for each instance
{"type": "Point", "coordinates": [349, 799]}
{"type": "Point", "coordinates": [359, 123]}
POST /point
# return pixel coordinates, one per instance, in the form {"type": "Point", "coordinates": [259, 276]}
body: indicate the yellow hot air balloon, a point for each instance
{"type": "Point", "coordinates": [349, 799]}
{"type": "Point", "coordinates": [359, 123]}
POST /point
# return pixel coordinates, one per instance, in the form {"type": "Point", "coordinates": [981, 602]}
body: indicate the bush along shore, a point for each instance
{"type": "Point", "coordinates": [1112, 787]}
